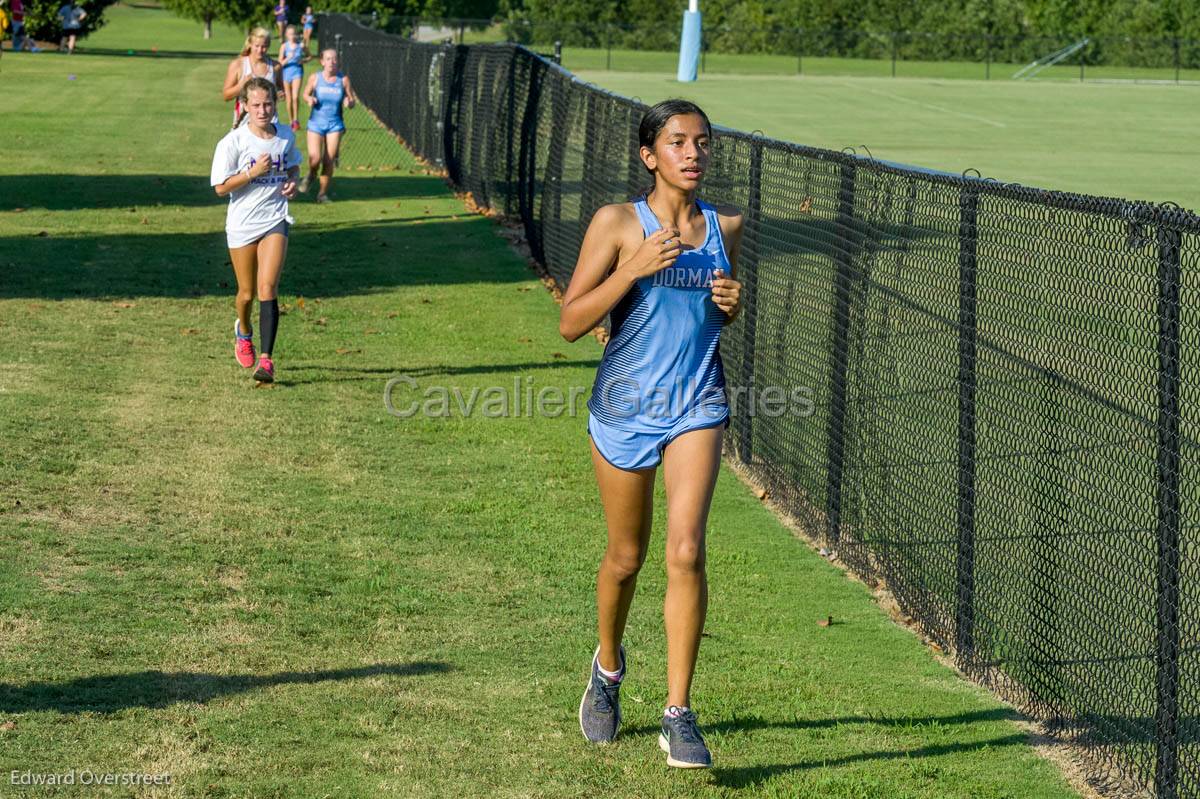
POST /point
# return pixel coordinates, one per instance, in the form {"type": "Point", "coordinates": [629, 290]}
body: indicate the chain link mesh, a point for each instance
{"type": "Point", "coordinates": [998, 386]}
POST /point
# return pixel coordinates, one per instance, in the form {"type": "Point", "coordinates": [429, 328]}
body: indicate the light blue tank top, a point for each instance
{"type": "Point", "coordinates": [328, 109]}
{"type": "Point", "coordinates": [291, 54]}
{"type": "Point", "coordinates": [662, 362]}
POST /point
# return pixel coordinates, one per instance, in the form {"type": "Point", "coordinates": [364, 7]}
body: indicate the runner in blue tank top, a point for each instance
{"type": "Point", "coordinates": [327, 93]}
{"type": "Point", "coordinates": [663, 268]}
{"type": "Point", "coordinates": [292, 55]}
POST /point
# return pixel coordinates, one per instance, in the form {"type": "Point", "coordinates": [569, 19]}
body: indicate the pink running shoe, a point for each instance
{"type": "Point", "coordinates": [243, 346]}
{"type": "Point", "coordinates": [265, 373]}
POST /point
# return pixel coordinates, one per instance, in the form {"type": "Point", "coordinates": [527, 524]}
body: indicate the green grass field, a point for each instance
{"type": "Point", "coordinates": [290, 592]}
{"type": "Point", "coordinates": [1114, 140]}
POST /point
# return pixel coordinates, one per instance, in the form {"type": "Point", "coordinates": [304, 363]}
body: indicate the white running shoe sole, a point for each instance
{"type": "Point", "coordinates": [665, 745]}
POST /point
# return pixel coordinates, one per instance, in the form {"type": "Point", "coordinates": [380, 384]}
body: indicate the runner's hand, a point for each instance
{"type": "Point", "coordinates": [261, 165]}
{"type": "Point", "coordinates": [658, 251]}
{"type": "Point", "coordinates": [726, 293]}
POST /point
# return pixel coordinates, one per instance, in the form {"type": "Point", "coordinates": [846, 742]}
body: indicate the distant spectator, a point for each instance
{"type": "Point", "coordinates": [72, 17]}
{"type": "Point", "coordinates": [20, 40]}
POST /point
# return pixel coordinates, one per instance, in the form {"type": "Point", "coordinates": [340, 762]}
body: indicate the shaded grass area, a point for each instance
{"type": "Point", "coordinates": [290, 592]}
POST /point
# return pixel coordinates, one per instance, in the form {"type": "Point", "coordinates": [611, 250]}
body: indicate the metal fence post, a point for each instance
{"type": "Point", "coordinates": [1166, 714]}
{"type": "Point", "coordinates": [1176, 45]}
{"type": "Point", "coordinates": [337, 39]}
{"type": "Point", "coordinates": [749, 279]}
{"type": "Point", "coordinates": [608, 47]}
{"type": "Point", "coordinates": [964, 615]}
{"type": "Point", "coordinates": [895, 46]}
{"type": "Point", "coordinates": [839, 358]}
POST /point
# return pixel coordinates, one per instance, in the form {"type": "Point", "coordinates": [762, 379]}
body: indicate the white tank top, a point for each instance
{"type": "Point", "coordinates": [248, 70]}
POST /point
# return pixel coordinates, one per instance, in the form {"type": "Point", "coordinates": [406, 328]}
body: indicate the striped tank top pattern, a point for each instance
{"type": "Point", "coordinates": [662, 362]}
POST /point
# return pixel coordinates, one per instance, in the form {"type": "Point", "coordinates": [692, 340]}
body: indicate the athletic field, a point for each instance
{"type": "Point", "coordinates": [1116, 140]}
{"type": "Point", "coordinates": [290, 591]}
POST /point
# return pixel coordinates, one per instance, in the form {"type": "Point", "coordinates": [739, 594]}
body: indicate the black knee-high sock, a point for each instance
{"type": "Point", "coordinates": [268, 322]}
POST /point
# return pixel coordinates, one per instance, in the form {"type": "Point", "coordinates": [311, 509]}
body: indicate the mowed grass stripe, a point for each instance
{"type": "Point", "coordinates": [290, 592]}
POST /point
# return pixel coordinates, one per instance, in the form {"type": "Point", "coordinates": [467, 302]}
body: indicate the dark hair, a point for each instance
{"type": "Point", "coordinates": [655, 119]}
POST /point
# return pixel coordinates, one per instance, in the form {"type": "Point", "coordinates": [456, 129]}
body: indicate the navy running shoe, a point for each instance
{"type": "Point", "coordinates": [600, 708]}
{"type": "Point", "coordinates": [682, 741]}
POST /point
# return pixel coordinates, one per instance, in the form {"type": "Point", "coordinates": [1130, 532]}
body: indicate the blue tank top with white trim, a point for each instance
{"type": "Point", "coordinates": [292, 54]}
{"type": "Point", "coordinates": [328, 110]}
{"type": "Point", "coordinates": [662, 361]}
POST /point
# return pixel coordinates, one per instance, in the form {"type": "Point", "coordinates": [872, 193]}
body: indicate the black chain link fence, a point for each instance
{"type": "Point", "coordinates": [999, 403]}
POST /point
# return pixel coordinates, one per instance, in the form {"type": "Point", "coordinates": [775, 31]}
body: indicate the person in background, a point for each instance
{"type": "Point", "coordinates": [281, 11]}
{"type": "Point", "coordinates": [327, 93]}
{"type": "Point", "coordinates": [308, 20]}
{"type": "Point", "coordinates": [292, 55]}
{"type": "Point", "coordinates": [72, 17]}
{"type": "Point", "coordinates": [17, 12]}
{"type": "Point", "coordinates": [252, 62]}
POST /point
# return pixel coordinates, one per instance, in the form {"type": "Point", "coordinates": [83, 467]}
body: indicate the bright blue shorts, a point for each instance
{"type": "Point", "coordinates": [324, 127]}
{"type": "Point", "coordinates": [292, 72]}
{"type": "Point", "coordinates": [643, 450]}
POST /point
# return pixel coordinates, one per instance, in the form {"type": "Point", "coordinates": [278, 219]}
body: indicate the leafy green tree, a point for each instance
{"type": "Point", "coordinates": [203, 11]}
{"type": "Point", "coordinates": [42, 20]}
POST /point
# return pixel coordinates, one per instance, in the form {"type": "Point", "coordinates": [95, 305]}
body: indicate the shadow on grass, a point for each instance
{"type": "Point", "coordinates": [335, 260]}
{"type": "Point", "coordinates": [150, 53]}
{"type": "Point", "coordinates": [344, 374]}
{"type": "Point", "coordinates": [750, 776]}
{"type": "Point", "coordinates": [749, 723]}
{"type": "Point", "coordinates": [110, 693]}
{"type": "Point", "coordinates": [97, 192]}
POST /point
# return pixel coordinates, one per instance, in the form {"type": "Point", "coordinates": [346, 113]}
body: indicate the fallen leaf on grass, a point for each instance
{"type": "Point", "coordinates": [18, 210]}
{"type": "Point", "coordinates": [33, 306]}
{"type": "Point", "coordinates": [426, 301]}
{"type": "Point", "coordinates": [188, 331]}
{"type": "Point", "coordinates": [762, 493]}
{"type": "Point", "coordinates": [393, 314]}
{"type": "Point", "coordinates": [121, 304]}
{"type": "Point", "coordinates": [370, 332]}
{"type": "Point", "coordinates": [321, 321]}
{"type": "Point", "coordinates": [557, 355]}
{"type": "Point", "coordinates": [524, 288]}
{"type": "Point", "coordinates": [825, 622]}
{"type": "Point", "coordinates": [524, 340]}
{"type": "Point", "coordinates": [300, 303]}
{"type": "Point", "coordinates": [8, 725]}
{"type": "Point", "coordinates": [344, 351]}
{"type": "Point", "coordinates": [41, 234]}
{"type": "Point", "coordinates": [806, 205]}
{"type": "Point", "coordinates": [145, 221]}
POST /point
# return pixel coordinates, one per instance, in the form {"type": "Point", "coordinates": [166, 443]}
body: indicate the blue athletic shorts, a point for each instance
{"type": "Point", "coordinates": [292, 72]}
{"type": "Point", "coordinates": [643, 450]}
{"type": "Point", "coordinates": [323, 128]}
